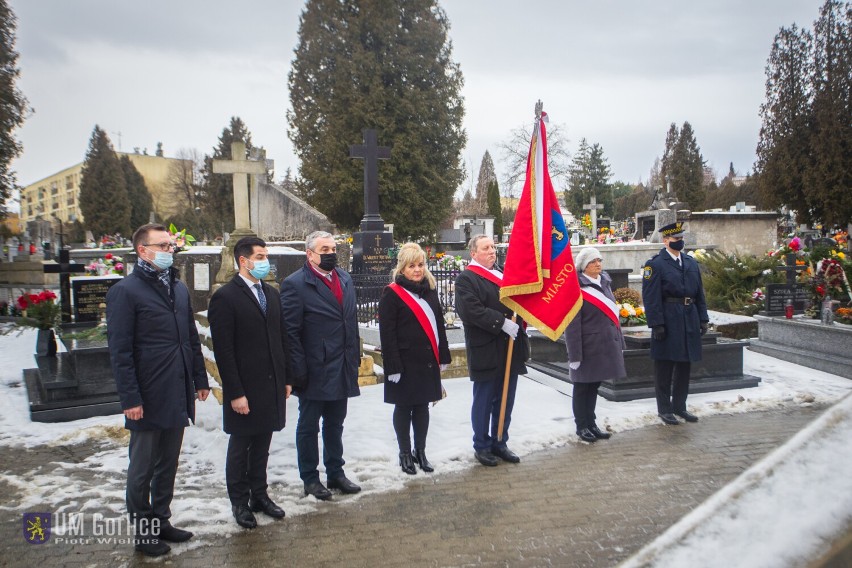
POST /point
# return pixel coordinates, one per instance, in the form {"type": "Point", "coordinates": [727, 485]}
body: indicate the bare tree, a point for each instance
{"type": "Point", "coordinates": [185, 179]}
{"type": "Point", "coordinates": [516, 149]}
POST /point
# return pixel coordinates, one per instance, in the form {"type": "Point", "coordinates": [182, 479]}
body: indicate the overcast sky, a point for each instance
{"type": "Point", "coordinates": [616, 72]}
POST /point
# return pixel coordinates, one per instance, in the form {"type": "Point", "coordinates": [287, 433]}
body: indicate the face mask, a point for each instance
{"type": "Point", "coordinates": [328, 261]}
{"type": "Point", "coordinates": [677, 245]}
{"type": "Point", "coordinates": [163, 260]}
{"type": "Point", "coordinates": [260, 270]}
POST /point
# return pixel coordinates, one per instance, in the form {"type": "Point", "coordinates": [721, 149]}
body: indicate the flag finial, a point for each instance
{"type": "Point", "coordinates": [538, 108]}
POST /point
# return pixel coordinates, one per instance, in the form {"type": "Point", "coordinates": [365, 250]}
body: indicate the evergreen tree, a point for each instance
{"type": "Point", "coordinates": [104, 201]}
{"type": "Point", "coordinates": [687, 169]}
{"type": "Point", "coordinates": [783, 144]}
{"type": "Point", "coordinates": [13, 105]}
{"type": "Point", "coordinates": [672, 137]}
{"type": "Point", "coordinates": [486, 176]}
{"type": "Point", "coordinates": [141, 203]}
{"type": "Point", "coordinates": [828, 181]}
{"type": "Point", "coordinates": [495, 209]}
{"type": "Point", "coordinates": [589, 175]}
{"type": "Point", "coordinates": [385, 66]}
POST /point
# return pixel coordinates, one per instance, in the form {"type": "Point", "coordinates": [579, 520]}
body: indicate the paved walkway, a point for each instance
{"type": "Point", "coordinates": [578, 505]}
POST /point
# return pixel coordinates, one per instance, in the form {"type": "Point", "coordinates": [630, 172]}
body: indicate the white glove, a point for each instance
{"type": "Point", "coordinates": [574, 365]}
{"type": "Point", "coordinates": [395, 377]}
{"type": "Point", "coordinates": [445, 366]}
{"type": "Point", "coordinates": [511, 328]}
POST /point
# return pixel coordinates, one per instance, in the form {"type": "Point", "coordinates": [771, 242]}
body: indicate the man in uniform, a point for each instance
{"type": "Point", "coordinates": [677, 314]}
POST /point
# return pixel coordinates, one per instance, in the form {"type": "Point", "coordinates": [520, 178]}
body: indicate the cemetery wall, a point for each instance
{"type": "Point", "coordinates": [749, 234]}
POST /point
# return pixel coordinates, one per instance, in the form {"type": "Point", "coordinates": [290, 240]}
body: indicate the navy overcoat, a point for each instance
{"type": "Point", "coordinates": [154, 350]}
{"type": "Point", "coordinates": [662, 279]}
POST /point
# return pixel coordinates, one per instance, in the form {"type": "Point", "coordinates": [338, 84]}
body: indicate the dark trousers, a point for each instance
{"type": "Point", "coordinates": [151, 472]}
{"type": "Point", "coordinates": [583, 402]}
{"type": "Point", "coordinates": [485, 412]}
{"type": "Point", "coordinates": [245, 468]}
{"type": "Point", "coordinates": [332, 412]}
{"type": "Point", "coordinates": [671, 382]}
{"type": "Point", "coordinates": [404, 417]}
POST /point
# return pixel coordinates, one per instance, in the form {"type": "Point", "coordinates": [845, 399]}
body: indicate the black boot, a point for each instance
{"type": "Point", "coordinates": [406, 463]}
{"type": "Point", "coordinates": [420, 458]}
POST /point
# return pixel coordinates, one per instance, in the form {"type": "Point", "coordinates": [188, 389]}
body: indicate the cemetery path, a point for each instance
{"type": "Point", "coordinates": [576, 505]}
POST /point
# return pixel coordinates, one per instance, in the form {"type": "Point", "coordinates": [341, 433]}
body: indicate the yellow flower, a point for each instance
{"type": "Point", "coordinates": [624, 313]}
{"type": "Point", "coordinates": [640, 311]}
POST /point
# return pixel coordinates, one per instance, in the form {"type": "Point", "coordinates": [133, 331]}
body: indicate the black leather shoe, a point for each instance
{"type": "Point", "coordinates": [669, 419]}
{"type": "Point", "coordinates": [406, 462]}
{"type": "Point", "coordinates": [485, 457]}
{"type": "Point", "coordinates": [344, 485]}
{"type": "Point", "coordinates": [420, 457]}
{"type": "Point", "coordinates": [586, 435]}
{"type": "Point", "coordinates": [151, 546]}
{"type": "Point", "coordinates": [318, 490]}
{"type": "Point", "coordinates": [267, 506]}
{"type": "Point", "coordinates": [688, 416]}
{"type": "Point", "coordinates": [506, 455]}
{"type": "Point", "coordinates": [173, 534]}
{"type": "Point", "coordinates": [599, 434]}
{"type": "Point", "coordinates": [244, 516]}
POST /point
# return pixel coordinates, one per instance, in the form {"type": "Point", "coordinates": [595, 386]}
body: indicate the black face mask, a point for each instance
{"type": "Point", "coordinates": [328, 261]}
{"type": "Point", "coordinates": [677, 245]}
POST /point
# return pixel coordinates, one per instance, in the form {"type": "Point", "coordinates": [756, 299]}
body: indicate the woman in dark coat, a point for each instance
{"type": "Point", "coordinates": [414, 351]}
{"type": "Point", "coordinates": [594, 343]}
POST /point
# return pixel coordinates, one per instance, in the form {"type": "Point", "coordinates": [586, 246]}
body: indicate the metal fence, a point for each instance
{"type": "Point", "coordinates": [368, 291]}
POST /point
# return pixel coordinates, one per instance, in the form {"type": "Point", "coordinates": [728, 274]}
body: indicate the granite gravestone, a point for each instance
{"type": "Point", "coordinates": [777, 295]}
{"type": "Point", "coordinates": [88, 295]}
{"type": "Point", "coordinates": [371, 245]}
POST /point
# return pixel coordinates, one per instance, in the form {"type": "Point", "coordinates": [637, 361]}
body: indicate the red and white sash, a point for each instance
{"type": "Point", "coordinates": [485, 273]}
{"type": "Point", "coordinates": [600, 301]}
{"type": "Point", "coordinates": [420, 314]}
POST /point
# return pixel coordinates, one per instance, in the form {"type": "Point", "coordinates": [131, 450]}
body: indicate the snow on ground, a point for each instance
{"type": "Point", "coordinates": [541, 420]}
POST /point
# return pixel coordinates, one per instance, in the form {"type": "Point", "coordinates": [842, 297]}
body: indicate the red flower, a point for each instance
{"type": "Point", "coordinates": [108, 255]}
{"type": "Point", "coordinates": [820, 290]}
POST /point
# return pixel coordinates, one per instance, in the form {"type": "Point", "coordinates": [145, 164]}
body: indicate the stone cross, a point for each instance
{"type": "Point", "coordinates": [791, 269]}
{"type": "Point", "coordinates": [371, 153]}
{"type": "Point", "coordinates": [239, 167]}
{"type": "Point", "coordinates": [593, 210]}
{"type": "Point", "coordinates": [65, 269]}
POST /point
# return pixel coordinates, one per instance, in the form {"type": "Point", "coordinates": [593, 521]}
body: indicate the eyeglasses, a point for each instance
{"type": "Point", "coordinates": [165, 247]}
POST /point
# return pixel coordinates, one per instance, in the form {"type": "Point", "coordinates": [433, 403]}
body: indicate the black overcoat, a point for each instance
{"type": "Point", "coordinates": [154, 350]}
{"type": "Point", "coordinates": [662, 278]}
{"type": "Point", "coordinates": [322, 336]}
{"type": "Point", "coordinates": [593, 339]}
{"type": "Point", "coordinates": [478, 305]}
{"type": "Point", "coordinates": [250, 354]}
{"type": "Point", "coordinates": [406, 349]}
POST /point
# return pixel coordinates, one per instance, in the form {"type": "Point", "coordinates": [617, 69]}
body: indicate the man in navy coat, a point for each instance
{"type": "Point", "coordinates": [318, 307]}
{"type": "Point", "coordinates": [158, 367]}
{"type": "Point", "coordinates": [677, 314]}
{"type": "Point", "coordinates": [248, 340]}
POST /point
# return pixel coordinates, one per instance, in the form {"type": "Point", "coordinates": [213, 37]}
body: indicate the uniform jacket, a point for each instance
{"type": "Point", "coordinates": [662, 278]}
{"type": "Point", "coordinates": [478, 305]}
{"type": "Point", "coordinates": [593, 339]}
{"type": "Point", "coordinates": [250, 356]}
{"type": "Point", "coordinates": [407, 349]}
{"type": "Point", "coordinates": [154, 350]}
{"type": "Point", "coordinates": [322, 337]}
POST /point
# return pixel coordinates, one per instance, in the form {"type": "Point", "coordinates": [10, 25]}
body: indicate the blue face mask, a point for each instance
{"type": "Point", "coordinates": [163, 260]}
{"type": "Point", "coordinates": [260, 270]}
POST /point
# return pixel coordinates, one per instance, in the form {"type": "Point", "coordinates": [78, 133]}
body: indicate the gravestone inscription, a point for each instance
{"type": "Point", "coordinates": [88, 294]}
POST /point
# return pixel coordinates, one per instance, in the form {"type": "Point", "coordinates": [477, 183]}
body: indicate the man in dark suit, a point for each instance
{"type": "Point", "coordinates": [248, 339]}
{"type": "Point", "coordinates": [318, 307]}
{"type": "Point", "coordinates": [487, 329]}
{"type": "Point", "coordinates": [677, 314]}
{"type": "Point", "coordinates": [158, 367]}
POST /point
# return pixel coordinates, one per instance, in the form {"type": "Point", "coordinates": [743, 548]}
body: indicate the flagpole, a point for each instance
{"type": "Point", "coordinates": [502, 420]}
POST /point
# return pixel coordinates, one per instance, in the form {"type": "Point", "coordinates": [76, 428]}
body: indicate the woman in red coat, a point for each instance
{"type": "Point", "coordinates": [414, 351]}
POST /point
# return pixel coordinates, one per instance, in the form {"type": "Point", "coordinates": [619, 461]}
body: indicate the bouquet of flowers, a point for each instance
{"type": "Point", "coordinates": [830, 281]}
{"type": "Point", "coordinates": [181, 240]}
{"type": "Point", "coordinates": [448, 262]}
{"type": "Point", "coordinates": [109, 264]}
{"type": "Point", "coordinates": [111, 241]}
{"type": "Point", "coordinates": [631, 315]}
{"type": "Point", "coordinates": [587, 221]}
{"type": "Point", "coordinates": [39, 310]}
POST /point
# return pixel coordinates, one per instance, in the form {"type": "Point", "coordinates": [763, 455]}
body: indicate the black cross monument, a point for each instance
{"type": "Point", "coordinates": [65, 268]}
{"type": "Point", "coordinates": [371, 244]}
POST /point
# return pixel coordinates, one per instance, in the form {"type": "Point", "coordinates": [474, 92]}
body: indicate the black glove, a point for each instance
{"type": "Point", "coordinates": [703, 327]}
{"type": "Point", "coordinates": [659, 333]}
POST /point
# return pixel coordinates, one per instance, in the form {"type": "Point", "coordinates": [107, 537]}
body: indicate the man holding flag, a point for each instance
{"type": "Point", "coordinates": [488, 331]}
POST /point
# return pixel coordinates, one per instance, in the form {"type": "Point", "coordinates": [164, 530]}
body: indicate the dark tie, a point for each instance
{"type": "Point", "coordinates": [261, 297]}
